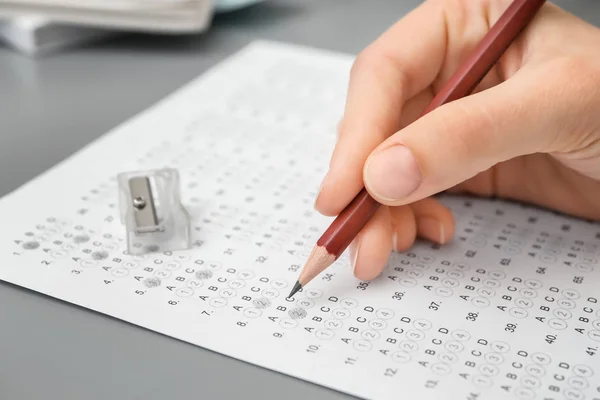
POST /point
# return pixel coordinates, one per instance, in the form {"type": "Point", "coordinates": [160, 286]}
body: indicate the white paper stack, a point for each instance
{"type": "Point", "coordinates": [140, 15]}
{"type": "Point", "coordinates": [36, 27]}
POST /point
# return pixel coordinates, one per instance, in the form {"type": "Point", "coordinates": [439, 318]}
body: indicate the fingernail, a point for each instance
{"type": "Point", "coordinates": [393, 173]}
{"type": "Point", "coordinates": [354, 254]}
{"type": "Point", "coordinates": [431, 229]}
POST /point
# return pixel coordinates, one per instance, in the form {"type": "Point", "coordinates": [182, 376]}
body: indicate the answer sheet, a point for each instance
{"type": "Point", "coordinates": [508, 310]}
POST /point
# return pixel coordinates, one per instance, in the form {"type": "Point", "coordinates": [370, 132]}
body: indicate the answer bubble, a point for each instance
{"type": "Point", "coordinates": [324, 334]}
{"type": "Point", "coordinates": [535, 370]}
{"type": "Point", "coordinates": [218, 302]}
{"type": "Point", "coordinates": [482, 381]}
{"type": "Point", "coordinates": [204, 274]}
{"type": "Point", "coordinates": [441, 369]}
{"type": "Point", "coordinates": [252, 312]}
{"type": "Point", "coordinates": [573, 394]}
{"type": "Point", "coordinates": [541, 358]}
{"type": "Point", "coordinates": [571, 294]}
{"type": "Point", "coordinates": [547, 258]}
{"type": "Point", "coordinates": [172, 265]}
{"type": "Point", "coordinates": [422, 324]}
{"type": "Point", "coordinates": [528, 293]}
{"type": "Point", "coordinates": [426, 259]}
{"type": "Point", "coordinates": [584, 268]}
{"type": "Point", "coordinates": [518, 312]}
{"type": "Point", "coordinates": [407, 281]}
{"type": "Point", "coordinates": [489, 370]}
{"type": "Point", "coordinates": [305, 303]}
{"type": "Point", "coordinates": [443, 291]}
{"type": "Point", "coordinates": [500, 347]}
{"type": "Point", "coordinates": [152, 282]}
{"type": "Point", "coordinates": [181, 257]}
{"type": "Point", "coordinates": [524, 302]}
{"type": "Point", "coordinates": [566, 303]}
{"type": "Point", "coordinates": [491, 283]}
{"type": "Point", "coordinates": [184, 292]}
{"type": "Point", "coordinates": [460, 335]}
{"type": "Point", "coordinates": [557, 324]}
{"type": "Point", "coordinates": [297, 313]}
{"type": "Point", "coordinates": [131, 264]}
{"type": "Point", "coordinates": [119, 272]}
{"type": "Point", "coordinates": [377, 324]}
{"type": "Point", "coordinates": [533, 284]}
{"type": "Point", "coordinates": [530, 382]}
{"type": "Point", "coordinates": [448, 358]}
{"type": "Point", "coordinates": [414, 273]}
{"type": "Point", "coordinates": [349, 303]}
{"type": "Point", "coordinates": [496, 274]}
{"type": "Point", "coordinates": [450, 283]}
{"type": "Point", "coordinates": [577, 382]}
{"type": "Point", "coordinates": [195, 284]}
{"type": "Point", "coordinates": [486, 292]}
{"type": "Point", "coordinates": [524, 393]}
{"type": "Point", "coordinates": [214, 265]}
{"type": "Point", "coordinates": [333, 324]}
{"type": "Point", "coordinates": [270, 293]}
{"type": "Point", "coordinates": [228, 293]}
{"type": "Point", "coordinates": [261, 303]}
{"type": "Point", "coordinates": [561, 313]}
{"type": "Point", "coordinates": [408, 345]}
{"type": "Point", "coordinates": [480, 302]}
{"type": "Point", "coordinates": [370, 334]}
{"type": "Point", "coordinates": [594, 335]}
{"type": "Point", "coordinates": [246, 275]}
{"type": "Point", "coordinates": [400, 357]}
{"type": "Point", "coordinates": [68, 247]}
{"type": "Point", "coordinates": [58, 254]}
{"type": "Point", "coordinates": [455, 274]}
{"type": "Point", "coordinates": [385, 313]}
{"type": "Point", "coordinates": [454, 346]}
{"type": "Point", "coordinates": [279, 284]}
{"type": "Point", "coordinates": [236, 283]}
{"type": "Point", "coordinates": [340, 313]}
{"type": "Point", "coordinates": [494, 358]}
{"type": "Point", "coordinates": [478, 241]}
{"type": "Point", "coordinates": [461, 266]}
{"type": "Point", "coordinates": [415, 334]}
{"type": "Point", "coordinates": [363, 345]}
{"type": "Point", "coordinates": [583, 371]}
{"type": "Point", "coordinates": [288, 323]}
{"type": "Point", "coordinates": [79, 239]}
{"type": "Point", "coordinates": [99, 255]}
{"type": "Point", "coordinates": [162, 274]}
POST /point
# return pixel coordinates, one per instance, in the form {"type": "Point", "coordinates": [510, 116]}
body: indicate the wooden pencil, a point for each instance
{"type": "Point", "coordinates": [347, 225]}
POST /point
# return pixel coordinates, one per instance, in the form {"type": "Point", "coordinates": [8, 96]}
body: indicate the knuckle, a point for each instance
{"type": "Point", "coordinates": [366, 60]}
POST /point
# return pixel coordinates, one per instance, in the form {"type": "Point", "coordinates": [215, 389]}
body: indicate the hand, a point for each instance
{"type": "Point", "coordinates": [530, 132]}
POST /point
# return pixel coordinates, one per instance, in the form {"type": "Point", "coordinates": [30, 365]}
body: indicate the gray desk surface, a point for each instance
{"type": "Point", "coordinates": [51, 107]}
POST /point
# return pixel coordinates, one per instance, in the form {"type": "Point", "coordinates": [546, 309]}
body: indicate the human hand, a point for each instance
{"type": "Point", "coordinates": [530, 132]}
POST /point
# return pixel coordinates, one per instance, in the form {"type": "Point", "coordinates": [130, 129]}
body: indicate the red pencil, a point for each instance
{"type": "Point", "coordinates": [353, 218]}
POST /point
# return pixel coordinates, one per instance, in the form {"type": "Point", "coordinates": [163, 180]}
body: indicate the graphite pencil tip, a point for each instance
{"type": "Point", "coordinates": [295, 289]}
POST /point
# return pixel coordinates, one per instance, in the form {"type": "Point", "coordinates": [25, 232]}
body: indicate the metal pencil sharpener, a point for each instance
{"type": "Point", "coordinates": [151, 210]}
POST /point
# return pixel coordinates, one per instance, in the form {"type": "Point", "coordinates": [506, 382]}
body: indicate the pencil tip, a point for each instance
{"type": "Point", "coordinates": [295, 289]}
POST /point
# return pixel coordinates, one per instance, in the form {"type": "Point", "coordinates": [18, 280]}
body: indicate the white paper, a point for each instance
{"type": "Point", "coordinates": [508, 310]}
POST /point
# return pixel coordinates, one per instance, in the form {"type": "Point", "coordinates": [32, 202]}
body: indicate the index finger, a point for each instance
{"type": "Point", "coordinates": [400, 64]}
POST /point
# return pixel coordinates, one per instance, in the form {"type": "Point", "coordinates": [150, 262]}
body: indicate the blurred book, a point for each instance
{"type": "Point", "coordinates": [37, 27]}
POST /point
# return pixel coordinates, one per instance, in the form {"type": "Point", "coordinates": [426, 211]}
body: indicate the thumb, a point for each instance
{"type": "Point", "coordinates": [461, 139]}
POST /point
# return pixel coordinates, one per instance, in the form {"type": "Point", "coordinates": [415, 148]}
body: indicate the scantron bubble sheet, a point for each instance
{"type": "Point", "coordinates": [508, 310]}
